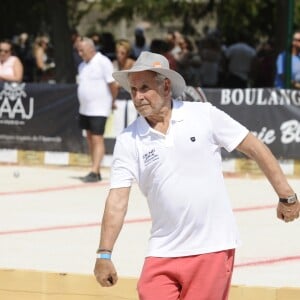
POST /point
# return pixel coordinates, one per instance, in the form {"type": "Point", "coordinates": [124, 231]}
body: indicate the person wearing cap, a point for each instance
{"type": "Point", "coordinates": [173, 152]}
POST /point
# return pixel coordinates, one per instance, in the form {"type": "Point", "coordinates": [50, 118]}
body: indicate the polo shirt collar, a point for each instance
{"type": "Point", "coordinates": [177, 116]}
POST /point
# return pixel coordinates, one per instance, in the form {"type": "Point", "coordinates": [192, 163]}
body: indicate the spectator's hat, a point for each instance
{"type": "Point", "coordinates": [148, 61]}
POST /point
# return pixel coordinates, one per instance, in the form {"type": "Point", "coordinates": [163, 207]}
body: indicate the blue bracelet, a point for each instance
{"type": "Point", "coordinates": [104, 255]}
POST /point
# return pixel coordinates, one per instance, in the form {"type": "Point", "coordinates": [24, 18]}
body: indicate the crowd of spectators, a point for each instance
{"type": "Point", "coordinates": [34, 55]}
{"type": "Point", "coordinates": [207, 62]}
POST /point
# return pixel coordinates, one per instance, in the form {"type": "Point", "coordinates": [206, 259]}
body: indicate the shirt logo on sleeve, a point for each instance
{"type": "Point", "coordinates": [150, 157]}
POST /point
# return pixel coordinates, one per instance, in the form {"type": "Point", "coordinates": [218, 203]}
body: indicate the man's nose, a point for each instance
{"type": "Point", "coordinates": [139, 95]}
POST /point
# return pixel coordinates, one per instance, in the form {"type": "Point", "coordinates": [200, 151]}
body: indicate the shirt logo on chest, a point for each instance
{"type": "Point", "coordinates": [150, 157]}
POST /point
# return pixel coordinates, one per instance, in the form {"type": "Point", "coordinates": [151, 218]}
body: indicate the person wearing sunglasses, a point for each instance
{"type": "Point", "coordinates": [295, 64]}
{"type": "Point", "coordinates": [11, 68]}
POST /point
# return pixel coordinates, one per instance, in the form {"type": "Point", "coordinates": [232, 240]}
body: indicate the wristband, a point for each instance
{"type": "Point", "coordinates": [104, 255]}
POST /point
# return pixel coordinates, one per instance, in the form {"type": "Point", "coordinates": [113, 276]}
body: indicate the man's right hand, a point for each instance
{"type": "Point", "coordinates": [105, 272]}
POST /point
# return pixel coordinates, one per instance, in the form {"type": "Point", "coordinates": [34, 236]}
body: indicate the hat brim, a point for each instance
{"type": "Point", "coordinates": [177, 81]}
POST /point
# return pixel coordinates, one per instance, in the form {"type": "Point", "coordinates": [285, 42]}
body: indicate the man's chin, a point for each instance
{"type": "Point", "coordinates": [144, 112]}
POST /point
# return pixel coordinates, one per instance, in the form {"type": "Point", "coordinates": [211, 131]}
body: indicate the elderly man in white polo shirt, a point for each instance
{"type": "Point", "coordinates": [97, 91]}
{"type": "Point", "coordinates": [173, 152]}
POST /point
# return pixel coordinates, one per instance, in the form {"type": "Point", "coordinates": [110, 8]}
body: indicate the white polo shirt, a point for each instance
{"type": "Point", "coordinates": [95, 98]}
{"type": "Point", "coordinates": [180, 174]}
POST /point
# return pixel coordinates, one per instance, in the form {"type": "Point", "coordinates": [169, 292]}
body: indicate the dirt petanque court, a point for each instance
{"type": "Point", "coordinates": [49, 231]}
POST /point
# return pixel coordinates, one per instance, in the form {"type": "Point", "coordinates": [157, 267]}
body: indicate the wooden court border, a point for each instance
{"type": "Point", "coordinates": [36, 285]}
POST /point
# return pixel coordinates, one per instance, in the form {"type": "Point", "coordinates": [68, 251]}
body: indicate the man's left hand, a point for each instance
{"type": "Point", "coordinates": [288, 212]}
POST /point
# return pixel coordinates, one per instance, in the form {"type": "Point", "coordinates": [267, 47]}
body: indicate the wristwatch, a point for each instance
{"type": "Point", "coordinates": [291, 199]}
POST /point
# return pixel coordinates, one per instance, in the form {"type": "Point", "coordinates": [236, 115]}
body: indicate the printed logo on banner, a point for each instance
{"type": "Point", "coordinates": [260, 97]}
{"type": "Point", "coordinates": [290, 133]}
{"type": "Point", "coordinates": [12, 108]}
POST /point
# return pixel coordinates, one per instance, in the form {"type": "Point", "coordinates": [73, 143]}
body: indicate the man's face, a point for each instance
{"type": "Point", "coordinates": [85, 51]}
{"type": "Point", "coordinates": [149, 96]}
{"type": "Point", "coordinates": [296, 41]}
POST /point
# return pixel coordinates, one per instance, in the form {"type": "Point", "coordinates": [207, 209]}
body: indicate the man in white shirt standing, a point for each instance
{"type": "Point", "coordinates": [96, 92]}
{"type": "Point", "coordinates": [173, 152]}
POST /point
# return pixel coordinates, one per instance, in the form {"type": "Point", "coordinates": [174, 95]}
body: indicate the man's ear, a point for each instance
{"type": "Point", "coordinates": [167, 85]}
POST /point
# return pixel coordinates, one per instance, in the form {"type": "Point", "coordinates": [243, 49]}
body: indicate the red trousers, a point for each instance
{"type": "Point", "coordinates": [199, 277]}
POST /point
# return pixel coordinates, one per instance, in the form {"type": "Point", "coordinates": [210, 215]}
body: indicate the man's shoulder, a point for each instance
{"type": "Point", "coordinates": [81, 66]}
{"type": "Point", "coordinates": [281, 56]}
{"type": "Point", "coordinates": [194, 105]}
{"type": "Point", "coordinates": [192, 110]}
{"type": "Point", "coordinates": [128, 136]}
{"type": "Point", "coordinates": [240, 47]}
{"type": "Point", "coordinates": [102, 58]}
{"type": "Point", "coordinates": [130, 130]}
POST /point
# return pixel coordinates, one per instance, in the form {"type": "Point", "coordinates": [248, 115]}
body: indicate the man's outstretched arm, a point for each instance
{"type": "Point", "coordinates": [258, 151]}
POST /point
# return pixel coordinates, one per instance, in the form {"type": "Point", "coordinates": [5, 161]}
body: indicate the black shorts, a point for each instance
{"type": "Point", "coordinates": [95, 125]}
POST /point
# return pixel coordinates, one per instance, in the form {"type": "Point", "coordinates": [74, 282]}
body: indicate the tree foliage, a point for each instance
{"type": "Point", "coordinates": [159, 11]}
{"type": "Point", "coordinates": [23, 16]}
{"type": "Point", "coordinates": [253, 19]}
{"type": "Point", "coordinates": [259, 17]}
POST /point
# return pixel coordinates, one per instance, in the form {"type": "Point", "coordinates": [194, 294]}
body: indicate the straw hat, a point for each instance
{"type": "Point", "coordinates": [148, 61]}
